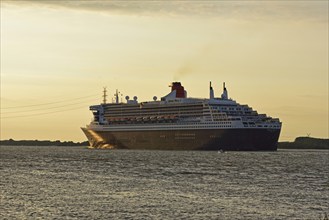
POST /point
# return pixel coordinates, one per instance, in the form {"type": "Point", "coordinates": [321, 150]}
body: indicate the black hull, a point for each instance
{"type": "Point", "coordinates": [212, 139]}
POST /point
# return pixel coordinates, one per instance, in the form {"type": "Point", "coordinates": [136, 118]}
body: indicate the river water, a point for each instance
{"type": "Point", "coordinates": [81, 183]}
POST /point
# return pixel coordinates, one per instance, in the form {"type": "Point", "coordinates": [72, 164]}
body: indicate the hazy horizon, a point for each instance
{"type": "Point", "coordinates": [56, 57]}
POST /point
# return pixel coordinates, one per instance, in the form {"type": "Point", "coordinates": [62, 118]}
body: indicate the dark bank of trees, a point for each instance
{"type": "Point", "coordinates": [305, 143]}
{"type": "Point", "coordinates": [299, 143]}
{"type": "Point", "coordinates": [12, 142]}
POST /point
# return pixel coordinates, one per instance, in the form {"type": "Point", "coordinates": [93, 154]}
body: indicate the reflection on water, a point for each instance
{"type": "Point", "coordinates": [78, 183]}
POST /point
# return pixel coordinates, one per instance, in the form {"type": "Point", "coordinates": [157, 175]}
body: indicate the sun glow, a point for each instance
{"type": "Point", "coordinates": [272, 55]}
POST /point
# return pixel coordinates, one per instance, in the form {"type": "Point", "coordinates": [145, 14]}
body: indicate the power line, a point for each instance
{"type": "Point", "coordinates": [49, 103]}
{"type": "Point", "coordinates": [47, 108]}
{"type": "Point", "coordinates": [46, 113]}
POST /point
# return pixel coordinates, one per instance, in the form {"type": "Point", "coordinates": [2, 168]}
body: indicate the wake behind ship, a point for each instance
{"type": "Point", "coordinates": [176, 122]}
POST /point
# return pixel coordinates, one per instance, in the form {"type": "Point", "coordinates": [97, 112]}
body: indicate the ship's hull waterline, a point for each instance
{"type": "Point", "coordinates": [207, 139]}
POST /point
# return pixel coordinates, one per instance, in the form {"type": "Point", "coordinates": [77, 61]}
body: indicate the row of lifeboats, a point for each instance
{"type": "Point", "coordinates": [162, 118]}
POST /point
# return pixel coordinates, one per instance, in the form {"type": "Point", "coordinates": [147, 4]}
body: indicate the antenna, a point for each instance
{"type": "Point", "coordinates": [117, 96]}
{"type": "Point", "coordinates": [211, 92]}
{"type": "Point", "coordinates": [104, 95]}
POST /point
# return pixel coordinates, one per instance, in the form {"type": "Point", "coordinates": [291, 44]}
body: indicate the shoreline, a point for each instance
{"type": "Point", "coordinates": [12, 142]}
{"type": "Point", "coordinates": [299, 143]}
{"type": "Point", "coordinates": [306, 143]}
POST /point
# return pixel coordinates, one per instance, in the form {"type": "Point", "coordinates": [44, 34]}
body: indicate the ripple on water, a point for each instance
{"type": "Point", "coordinates": [79, 183]}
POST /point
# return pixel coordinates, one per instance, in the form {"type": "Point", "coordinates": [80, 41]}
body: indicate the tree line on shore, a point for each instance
{"type": "Point", "coordinates": [305, 143]}
{"type": "Point", "coordinates": [12, 142]}
{"type": "Point", "coordinates": [299, 143]}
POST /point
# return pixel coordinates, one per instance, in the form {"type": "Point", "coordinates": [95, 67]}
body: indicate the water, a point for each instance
{"type": "Point", "coordinates": [79, 183]}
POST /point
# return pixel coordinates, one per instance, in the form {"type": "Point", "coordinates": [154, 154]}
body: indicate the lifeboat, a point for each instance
{"type": "Point", "coordinates": [146, 118]}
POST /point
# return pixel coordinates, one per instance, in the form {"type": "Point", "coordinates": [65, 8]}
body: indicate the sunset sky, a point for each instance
{"type": "Point", "coordinates": [56, 57]}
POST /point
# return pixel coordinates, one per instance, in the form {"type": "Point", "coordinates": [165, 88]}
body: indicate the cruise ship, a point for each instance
{"type": "Point", "coordinates": [178, 122]}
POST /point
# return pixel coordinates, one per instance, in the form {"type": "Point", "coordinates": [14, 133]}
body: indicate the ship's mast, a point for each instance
{"type": "Point", "coordinates": [116, 97]}
{"type": "Point", "coordinates": [225, 93]}
{"type": "Point", "coordinates": [211, 91]}
{"type": "Point", "coordinates": [104, 95]}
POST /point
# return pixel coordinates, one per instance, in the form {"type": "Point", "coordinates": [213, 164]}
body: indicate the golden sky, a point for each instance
{"type": "Point", "coordinates": [56, 57]}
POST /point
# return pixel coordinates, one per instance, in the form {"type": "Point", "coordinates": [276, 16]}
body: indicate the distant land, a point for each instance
{"type": "Point", "coordinates": [299, 143]}
{"type": "Point", "coordinates": [305, 143]}
{"type": "Point", "coordinates": [12, 142]}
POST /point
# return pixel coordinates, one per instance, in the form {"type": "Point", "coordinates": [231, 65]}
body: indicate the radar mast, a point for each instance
{"type": "Point", "coordinates": [104, 95]}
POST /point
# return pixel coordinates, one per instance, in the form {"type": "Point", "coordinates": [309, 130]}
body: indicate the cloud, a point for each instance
{"type": "Point", "coordinates": [284, 10]}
